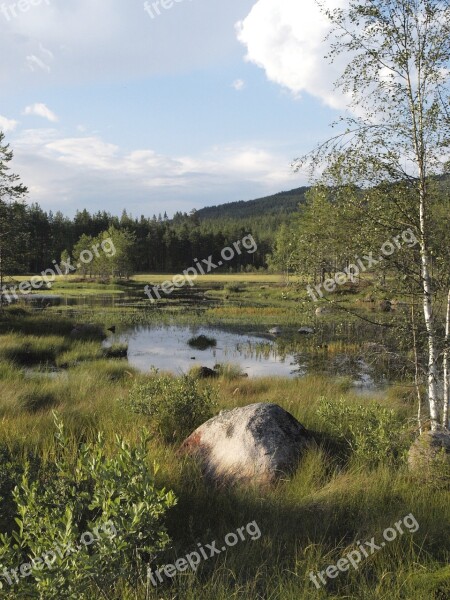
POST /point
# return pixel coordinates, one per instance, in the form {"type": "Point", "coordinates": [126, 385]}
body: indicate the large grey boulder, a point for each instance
{"type": "Point", "coordinates": [259, 443]}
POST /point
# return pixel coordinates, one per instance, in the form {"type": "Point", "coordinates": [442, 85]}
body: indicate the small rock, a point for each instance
{"type": "Point", "coordinates": [306, 330]}
{"type": "Point", "coordinates": [206, 373]}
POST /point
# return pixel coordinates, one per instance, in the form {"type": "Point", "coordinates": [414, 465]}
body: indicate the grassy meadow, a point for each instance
{"type": "Point", "coordinates": [337, 499]}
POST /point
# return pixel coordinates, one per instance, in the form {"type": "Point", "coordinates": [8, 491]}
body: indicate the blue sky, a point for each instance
{"type": "Point", "coordinates": [207, 102]}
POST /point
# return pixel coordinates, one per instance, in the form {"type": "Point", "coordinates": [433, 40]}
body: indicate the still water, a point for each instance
{"type": "Point", "coordinates": [167, 349]}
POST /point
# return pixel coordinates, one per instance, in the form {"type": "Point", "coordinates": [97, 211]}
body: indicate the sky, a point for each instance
{"type": "Point", "coordinates": [165, 105]}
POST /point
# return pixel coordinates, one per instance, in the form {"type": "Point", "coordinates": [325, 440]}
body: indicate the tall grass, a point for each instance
{"type": "Point", "coordinates": [307, 522]}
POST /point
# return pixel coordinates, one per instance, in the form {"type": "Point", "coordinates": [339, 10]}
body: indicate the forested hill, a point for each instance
{"type": "Point", "coordinates": [282, 203]}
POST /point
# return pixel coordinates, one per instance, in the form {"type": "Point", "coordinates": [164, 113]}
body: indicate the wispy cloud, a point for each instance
{"type": "Point", "coordinates": [238, 84]}
{"type": "Point", "coordinates": [84, 170]}
{"type": "Point", "coordinates": [41, 110]}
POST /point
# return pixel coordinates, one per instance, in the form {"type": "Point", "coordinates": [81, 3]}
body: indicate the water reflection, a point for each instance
{"type": "Point", "coordinates": [167, 349]}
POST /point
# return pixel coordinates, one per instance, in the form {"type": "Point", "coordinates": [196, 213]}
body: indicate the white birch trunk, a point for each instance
{"type": "Point", "coordinates": [445, 419]}
{"type": "Point", "coordinates": [432, 371]}
{"type": "Point", "coordinates": [416, 366]}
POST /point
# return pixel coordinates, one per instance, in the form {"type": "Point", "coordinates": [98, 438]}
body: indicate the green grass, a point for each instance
{"type": "Point", "coordinates": [307, 523]}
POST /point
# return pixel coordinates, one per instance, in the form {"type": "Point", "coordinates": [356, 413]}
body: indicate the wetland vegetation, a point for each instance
{"type": "Point", "coordinates": [347, 489]}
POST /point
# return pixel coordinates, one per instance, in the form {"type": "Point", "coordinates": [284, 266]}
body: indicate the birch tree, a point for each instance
{"type": "Point", "coordinates": [397, 81]}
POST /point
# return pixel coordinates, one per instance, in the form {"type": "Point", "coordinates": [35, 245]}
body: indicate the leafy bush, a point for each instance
{"type": "Point", "coordinates": [11, 470]}
{"type": "Point", "coordinates": [372, 433]}
{"type": "Point", "coordinates": [176, 406]}
{"type": "Point", "coordinates": [111, 499]}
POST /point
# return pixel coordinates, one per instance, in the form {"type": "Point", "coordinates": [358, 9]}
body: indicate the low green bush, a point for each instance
{"type": "Point", "coordinates": [88, 520]}
{"type": "Point", "coordinates": [11, 470]}
{"type": "Point", "coordinates": [175, 406]}
{"type": "Point", "coordinates": [372, 433]}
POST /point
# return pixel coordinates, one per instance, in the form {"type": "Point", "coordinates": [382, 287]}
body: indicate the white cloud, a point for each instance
{"type": "Point", "coordinates": [34, 63]}
{"type": "Point", "coordinates": [238, 85]}
{"type": "Point", "coordinates": [7, 124]}
{"type": "Point", "coordinates": [286, 39]}
{"type": "Point", "coordinates": [40, 63]}
{"type": "Point", "coordinates": [63, 173]}
{"type": "Point", "coordinates": [41, 110]}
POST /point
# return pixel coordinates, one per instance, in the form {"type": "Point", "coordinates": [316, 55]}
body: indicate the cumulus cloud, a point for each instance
{"type": "Point", "coordinates": [41, 110]}
{"type": "Point", "coordinates": [7, 124]}
{"type": "Point", "coordinates": [287, 40]}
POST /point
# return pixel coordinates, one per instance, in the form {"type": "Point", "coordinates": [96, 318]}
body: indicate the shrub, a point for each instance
{"type": "Point", "coordinates": [372, 433]}
{"type": "Point", "coordinates": [11, 470]}
{"type": "Point", "coordinates": [176, 406]}
{"type": "Point", "coordinates": [114, 498]}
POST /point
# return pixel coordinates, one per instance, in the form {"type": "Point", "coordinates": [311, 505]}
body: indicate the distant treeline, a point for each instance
{"type": "Point", "coordinates": [159, 244]}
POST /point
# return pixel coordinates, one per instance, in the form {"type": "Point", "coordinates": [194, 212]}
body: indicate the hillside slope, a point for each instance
{"type": "Point", "coordinates": [278, 204]}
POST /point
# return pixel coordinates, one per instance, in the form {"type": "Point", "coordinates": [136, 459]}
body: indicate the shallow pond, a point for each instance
{"type": "Point", "coordinates": [258, 355]}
